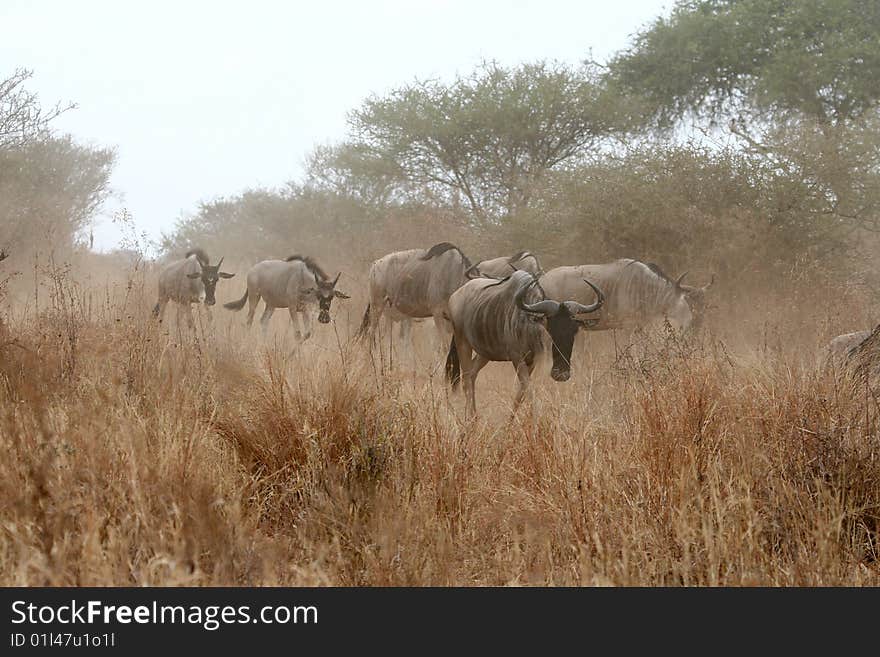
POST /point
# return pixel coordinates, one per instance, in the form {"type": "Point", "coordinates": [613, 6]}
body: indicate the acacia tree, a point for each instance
{"type": "Point", "coordinates": [22, 118]}
{"type": "Point", "coordinates": [795, 80]}
{"type": "Point", "coordinates": [757, 60]}
{"type": "Point", "coordinates": [355, 172]}
{"type": "Point", "coordinates": [50, 186]}
{"type": "Point", "coordinates": [486, 139]}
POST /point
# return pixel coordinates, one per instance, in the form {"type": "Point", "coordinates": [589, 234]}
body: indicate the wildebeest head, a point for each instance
{"type": "Point", "coordinates": [210, 274]}
{"type": "Point", "coordinates": [695, 299]}
{"type": "Point", "coordinates": [561, 322]}
{"type": "Point", "coordinates": [325, 291]}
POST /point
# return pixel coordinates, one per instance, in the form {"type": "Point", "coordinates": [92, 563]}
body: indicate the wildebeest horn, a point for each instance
{"type": "Point", "coordinates": [220, 263]}
{"type": "Point", "coordinates": [336, 280]}
{"type": "Point", "coordinates": [545, 307]}
{"type": "Point", "coordinates": [709, 284]}
{"type": "Point", "coordinates": [680, 279]}
{"type": "Point", "coordinates": [576, 308]}
{"type": "Point", "coordinates": [471, 270]}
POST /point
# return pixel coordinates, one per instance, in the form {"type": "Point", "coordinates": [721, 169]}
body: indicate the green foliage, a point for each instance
{"type": "Point", "coordinates": [778, 59]}
{"type": "Point", "coordinates": [685, 207]}
{"type": "Point", "coordinates": [354, 171]}
{"type": "Point", "coordinates": [487, 139]}
{"type": "Point", "coordinates": [49, 191]}
{"type": "Point", "coordinates": [266, 223]}
{"type": "Point", "coordinates": [50, 186]}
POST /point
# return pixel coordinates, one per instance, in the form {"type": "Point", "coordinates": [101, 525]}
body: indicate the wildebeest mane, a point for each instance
{"type": "Point", "coordinates": [519, 255]}
{"type": "Point", "coordinates": [443, 247]}
{"type": "Point", "coordinates": [200, 255]}
{"type": "Point", "coordinates": [659, 272]}
{"type": "Point", "coordinates": [313, 266]}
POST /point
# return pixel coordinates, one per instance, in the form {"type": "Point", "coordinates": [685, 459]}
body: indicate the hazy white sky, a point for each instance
{"type": "Point", "coordinates": [206, 99]}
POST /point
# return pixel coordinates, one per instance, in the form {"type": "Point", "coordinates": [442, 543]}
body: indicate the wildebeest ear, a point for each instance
{"type": "Point", "coordinates": [341, 295]}
{"type": "Point", "coordinates": [196, 275]}
{"type": "Point", "coordinates": [223, 274]}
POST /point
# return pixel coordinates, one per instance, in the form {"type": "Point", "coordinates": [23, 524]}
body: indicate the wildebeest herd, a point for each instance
{"type": "Point", "coordinates": [504, 309]}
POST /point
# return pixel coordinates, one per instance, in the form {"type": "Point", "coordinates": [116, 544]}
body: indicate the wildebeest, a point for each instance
{"type": "Point", "coordinates": [857, 352]}
{"type": "Point", "coordinates": [384, 278]}
{"type": "Point", "coordinates": [503, 266]}
{"type": "Point", "coordinates": [416, 284]}
{"type": "Point", "coordinates": [507, 320]}
{"type": "Point", "coordinates": [636, 293]}
{"type": "Point", "coordinates": [292, 283]}
{"type": "Point", "coordinates": [188, 281]}
{"type": "Point", "coordinates": [841, 347]}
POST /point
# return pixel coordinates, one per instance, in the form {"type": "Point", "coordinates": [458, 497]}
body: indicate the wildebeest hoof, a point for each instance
{"type": "Point", "coordinates": [560, 376]}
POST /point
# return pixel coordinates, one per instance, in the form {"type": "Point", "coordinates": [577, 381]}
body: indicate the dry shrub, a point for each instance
{"type": "Point", "coordinates": [166, 457]}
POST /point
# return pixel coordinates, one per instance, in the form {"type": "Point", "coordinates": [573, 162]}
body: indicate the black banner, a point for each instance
{"type": "Point", "coordinates": [377, 619]}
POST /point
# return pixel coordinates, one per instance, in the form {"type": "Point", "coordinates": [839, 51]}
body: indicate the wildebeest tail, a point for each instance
{"type": "Point", "coordinates": [453, 365]}
{"type": "Point", "coordinates": [365, 325]}
{"type": "Point", "coordinates": [439, 249]}
{"type": "Point", "coordinates": [237, 305]}
{"type": "Point", "coordinates": [443, 247]}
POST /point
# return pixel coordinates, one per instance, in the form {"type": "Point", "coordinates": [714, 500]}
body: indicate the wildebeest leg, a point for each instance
{"type": "Point", "coordinates": [377, 310]}
{"type": "Point", "coordinates": [524, 369]}
{"type": "Point", "coordinates": [465, 360]}
{"type": "Point", "coordinates": [264, 320]}
{"type": "Point", "coordinates": [470, 364]}
{"type": "Point", "coordinates": [469, 375]}
{"type": "Point", "coordinates": [306, 318]}
{"type": "Point", "coordinates": [294, 322]}
{"type": "Point", "coordinates": [444, 333]}
{"type": "Point", "coordinates": [253, 300]}
{"type": "Point", "coordinates": [159, 310]}
{"type": "Point", "coordinates": [389, 331]}
{"type": "Point", "coordinates": [406, 337]}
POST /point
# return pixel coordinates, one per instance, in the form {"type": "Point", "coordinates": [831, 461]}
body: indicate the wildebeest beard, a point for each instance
{"type": "Point", "coordinates": [562, 328]}
{"type": "Point", "coordinates": [210, 276]}
{"type": "Point", "coordinates": [325, 296]}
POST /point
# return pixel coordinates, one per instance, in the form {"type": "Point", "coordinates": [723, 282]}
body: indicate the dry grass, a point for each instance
{"type": "Point", "coordinates": [142, 455]}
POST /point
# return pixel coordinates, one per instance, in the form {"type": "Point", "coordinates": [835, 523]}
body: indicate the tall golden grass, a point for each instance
{"type": "Point", "coordinates": [135, 454]}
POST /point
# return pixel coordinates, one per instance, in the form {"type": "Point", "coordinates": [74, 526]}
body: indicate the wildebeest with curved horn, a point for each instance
{"type": "Point", "coordinates": [507, 320]}
{"type": "Point", "coordinates": [636, 293]}
{"type": "Point", "coordinates": [292, 283]}
{"type": "Point", "coordinates": [416, 284]}
{"type": "Point", "coordinates": [188, 281]}
{"type": "Point", "coordinates": [503, 266]}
